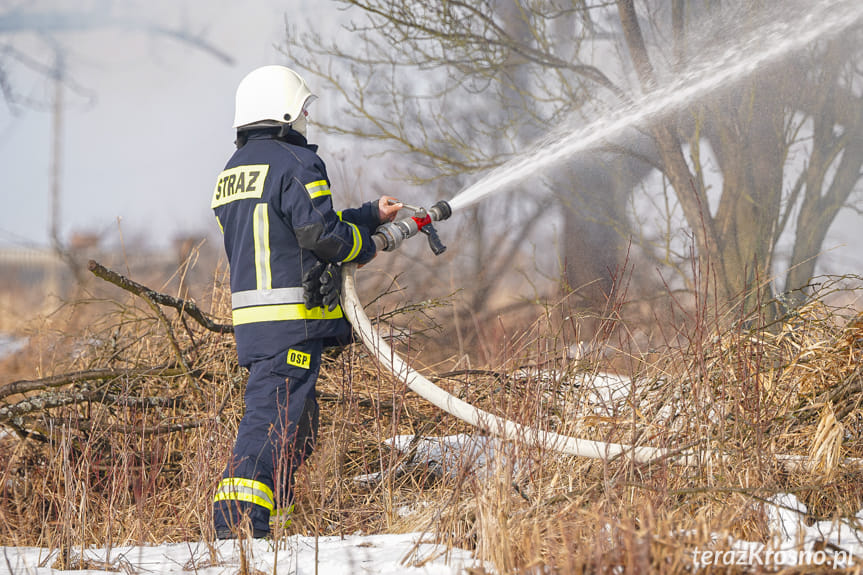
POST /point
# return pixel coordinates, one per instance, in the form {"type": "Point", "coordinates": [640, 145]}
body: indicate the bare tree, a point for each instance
{"type": "Point", "coordinates": [459, 106]}
{"type": "Point", "coordinates": [463, 86]}
{"type": "Point", "coordinates": [752, 128]}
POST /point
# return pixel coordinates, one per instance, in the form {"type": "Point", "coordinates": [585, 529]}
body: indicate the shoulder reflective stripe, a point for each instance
{"type": "Point", "coordinates": [266, 297]}
{"type": "Point", "coordinates": [358, 243]}
{"type": "Point", "coordinates": [285, 312]}
{"type": "Point", "coordinates": [339, 213]}
{"type": "Point", "coordinates": [239, 489]}
{"type": "Point", "coordinates": [261, 231]}
{"type": "Point", "coordinates": [318, 189]}
{"type": "Point", "coordinates": [240, 183]}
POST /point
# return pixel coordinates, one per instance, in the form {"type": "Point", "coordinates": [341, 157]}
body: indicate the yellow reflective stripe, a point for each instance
{"type": "Point", "coordinates": [261, 231]}
{"type": "Point", "coordinates": [284, 312]}
{"type": "Point", "coordinates": [247, 483]}
{"type": "Point", "coordinates": [243, 496]}
{"type": "Point", "coordinates": [358, 243]}
{"type": "Point", "coordinates": [249, 490]}
{"type": "Point", "coordinates": [221, 229]}
{"type": "Point", "coordinates": [318, 189]}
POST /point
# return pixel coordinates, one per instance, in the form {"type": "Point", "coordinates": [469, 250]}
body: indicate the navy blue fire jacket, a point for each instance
{"type": "Point", "coordinates": [274, 207]}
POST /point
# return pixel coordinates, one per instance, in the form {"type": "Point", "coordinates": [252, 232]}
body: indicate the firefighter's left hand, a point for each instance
{"type": "Point", "coordinates": [388, 207]}
{"type": "Point", "coordinates": [312, 286]}
{"type": "Point", "coordinates": [331, 286]}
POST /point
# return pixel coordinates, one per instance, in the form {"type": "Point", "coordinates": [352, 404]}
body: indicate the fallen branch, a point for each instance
{"type": "Point", "coordinates": [141, 430]}
{"type": "Point", "coordinates": [181, 305]}
{"type": "Point", "coordinates": [51, 399]}
{"type": "Point", "coordinates": [39, 402]}
{"type": "Point", "coordinates": [26, 385]}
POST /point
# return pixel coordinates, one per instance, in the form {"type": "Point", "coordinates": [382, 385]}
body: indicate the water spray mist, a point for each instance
{"type": "Point", "coordinates": [765, 46]}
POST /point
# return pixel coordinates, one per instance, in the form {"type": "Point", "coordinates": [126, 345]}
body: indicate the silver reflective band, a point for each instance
{"type": "Point", "coordinates": [261, 232]}
{"type": "Point", "coordinates": [266, 297]}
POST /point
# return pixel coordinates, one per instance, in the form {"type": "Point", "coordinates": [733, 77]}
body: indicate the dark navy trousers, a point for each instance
{"type": "Point", "coordinates": [277, 433]}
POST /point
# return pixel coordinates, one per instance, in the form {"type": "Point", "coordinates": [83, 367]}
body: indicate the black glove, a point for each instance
{"type": "Point", "coordinates": [331, 286]}
{"type": "Point", "coordinates": [312, 286]}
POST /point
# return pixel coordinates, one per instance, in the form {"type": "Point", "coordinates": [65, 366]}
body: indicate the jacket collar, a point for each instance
{"type": "Point", "coordinates": [291, 137]}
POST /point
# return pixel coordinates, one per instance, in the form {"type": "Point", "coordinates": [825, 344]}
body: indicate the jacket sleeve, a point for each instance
{"type": "Point", "coordinates": [307, 201]}
{"type": "Point", "coordinates": [366, 215]}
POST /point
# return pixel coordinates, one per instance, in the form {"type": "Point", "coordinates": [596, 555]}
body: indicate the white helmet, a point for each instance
{"type": "Point", "coordinates": [271, 94]}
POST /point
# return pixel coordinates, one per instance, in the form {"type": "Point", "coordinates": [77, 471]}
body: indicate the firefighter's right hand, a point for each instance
{"type": "Point", "coordinates": [388, 208]}
{"type": "Point", "coordinates": [312, 295]}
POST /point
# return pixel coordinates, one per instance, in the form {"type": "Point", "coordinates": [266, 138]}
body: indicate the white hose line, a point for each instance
{"type": "Point", "coordinates": [499, 426]}
{"type": "Point", "coordinates": [505, 428]}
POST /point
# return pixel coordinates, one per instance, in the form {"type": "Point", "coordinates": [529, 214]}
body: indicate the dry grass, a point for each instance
{"type": "Point", "coordinates": [129, 449]}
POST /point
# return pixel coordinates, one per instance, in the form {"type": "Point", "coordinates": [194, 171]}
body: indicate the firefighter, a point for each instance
{"type": "Point", "coordinates": [284, 244]}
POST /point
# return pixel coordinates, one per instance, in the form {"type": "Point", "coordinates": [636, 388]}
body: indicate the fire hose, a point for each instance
{"type": "Point", "coordinates": [388, 238]}
{"type": "Point", "coordinates": [484, 420]}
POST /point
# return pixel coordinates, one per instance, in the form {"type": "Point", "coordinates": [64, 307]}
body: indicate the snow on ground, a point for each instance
{"type": "Point", "coordinates": [794, 542]}
{"type": "Point", "coordinates": [384, 554]}
{"type": "Point", "coordinates": [835, 543]}
{"type": "Point", "coordinates": [821, 544]}
{"type": "Point", "coordinates": [453, 452]}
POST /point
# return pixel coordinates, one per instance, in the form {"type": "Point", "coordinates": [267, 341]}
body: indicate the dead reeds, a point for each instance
{"type": "Point", "coordinates": [122, 437]}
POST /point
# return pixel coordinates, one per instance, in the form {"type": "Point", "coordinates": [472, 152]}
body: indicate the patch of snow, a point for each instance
{"type": "Point", "coordinates": [608, 388]}
{"type": "Point", "coordinates": [603, 389]}
{"type": "Point", "coordinates": [355, 554]}
{"type": "Point", "coordinates": [452, 453]}
{"type": "Point", "coordinates": [449, 455]}
{"type": "Point", "coordinates": [794, 543]}
{"type": "Point", "coordinates": [786, 520]}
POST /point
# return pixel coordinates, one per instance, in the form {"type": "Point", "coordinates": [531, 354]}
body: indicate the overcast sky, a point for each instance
{"type": "Point", "coordinates": [148, 127]}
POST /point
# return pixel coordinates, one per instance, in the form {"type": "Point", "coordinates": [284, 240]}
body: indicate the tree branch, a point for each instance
{"type": "Point", "coordinates": [52, 399]}
{"type": "Point", "coordinates": [181, 305]}
{"type": "Point", "coordinates": [27, 385]}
